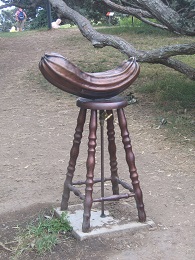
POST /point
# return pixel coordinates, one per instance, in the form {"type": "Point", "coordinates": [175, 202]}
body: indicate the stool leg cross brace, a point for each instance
{"type": "Point", "coordinates": [104, 107]}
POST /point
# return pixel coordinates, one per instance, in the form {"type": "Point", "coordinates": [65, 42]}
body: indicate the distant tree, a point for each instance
{"type": "Point", "coordinates": [30, 6]}
{"type": "Point", "coordinates": [92, 9]}
{"type": "Point", "coordinates": [7, 20]}
{"type": "Point", "coordinates": [40, 20]}
{"type": "Point", "coordinates": [35, 10]}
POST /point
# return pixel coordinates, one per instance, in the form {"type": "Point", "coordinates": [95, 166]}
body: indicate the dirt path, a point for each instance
{"type": "Point", "coordinates": [37, 127]}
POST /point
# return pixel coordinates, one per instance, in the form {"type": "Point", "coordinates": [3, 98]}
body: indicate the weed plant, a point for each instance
{"type": "Point", "coordinates": [41, 235]}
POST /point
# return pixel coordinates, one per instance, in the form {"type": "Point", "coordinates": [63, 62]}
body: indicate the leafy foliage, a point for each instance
{"type": "Point", "coordinates": [40, 20]}
{"type": "Point", "coordinates": [7, 20]}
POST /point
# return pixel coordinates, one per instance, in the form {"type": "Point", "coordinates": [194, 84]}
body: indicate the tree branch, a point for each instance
{"type": "Point", "coordinates": [179, 66]}
{"type": "Point", "coordinates": [137, 12]}
{"type": "Point", "coordinates": [168, 18]}
{"type": "Point", "coordinates": [168, 51]}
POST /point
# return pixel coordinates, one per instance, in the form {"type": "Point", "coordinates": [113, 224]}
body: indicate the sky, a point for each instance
{"type": "Point", "coordinates": [1, 3]}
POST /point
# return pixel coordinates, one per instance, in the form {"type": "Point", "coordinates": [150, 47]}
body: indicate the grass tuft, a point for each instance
{"type": "Point", "coordinates": [41, 235]}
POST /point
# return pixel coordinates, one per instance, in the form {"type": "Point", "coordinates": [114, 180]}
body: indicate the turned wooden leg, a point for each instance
{"type": "Point", "coordinates": [73, 157]}
{"type": "Point", "coordinates": [131, 163]}
{"type": "Point", "coordinates": [112, 152]}
{"type": "Point", "coordinates": [90, 164]}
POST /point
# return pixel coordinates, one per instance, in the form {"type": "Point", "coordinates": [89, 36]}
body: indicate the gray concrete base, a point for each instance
{"type": "Point", "coordinates": [100, 225]}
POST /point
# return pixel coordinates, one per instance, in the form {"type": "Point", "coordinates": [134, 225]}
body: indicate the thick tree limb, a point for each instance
{"type": "Point", "coordinates": [168, 51]}
{"type": "Point", "coordinates": [179, 66]}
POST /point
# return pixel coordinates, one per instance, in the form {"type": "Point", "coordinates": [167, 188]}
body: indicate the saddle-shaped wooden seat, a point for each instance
{"type": "Point", "coordinates": [63, 74]}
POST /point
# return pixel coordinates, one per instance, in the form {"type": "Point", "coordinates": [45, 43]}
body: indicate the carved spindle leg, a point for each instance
{"type": "Point", "coordinates": [112, 152]}
{"type": "Point", "coordinates": [131, 163]}
{"type": "Point", "coordinates": [73, 157]}
{"type": "Point", "coordinates": [90, 164]}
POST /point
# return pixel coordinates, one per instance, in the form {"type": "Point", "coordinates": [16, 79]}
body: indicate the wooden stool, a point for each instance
{"type": "Point", "coordinates": [105, 107]}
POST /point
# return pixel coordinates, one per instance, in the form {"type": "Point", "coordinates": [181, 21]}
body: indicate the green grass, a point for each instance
{"type": "Point", "coordinates": [138, 28]}
{"type": "Point", "coordinates": [9, 34]}
{"type": "Point", "coordinates": [41, 235]}
{"type": "Point", "coordinates": [66, 26]}
{"type": "Point", "coordinates": [172, 93]}
{"type": "Point", "coordinates": [174, 99]}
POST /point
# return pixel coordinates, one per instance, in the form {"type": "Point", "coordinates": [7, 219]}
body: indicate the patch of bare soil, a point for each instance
{"type": "Point", "coordinates": [37, 128]}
